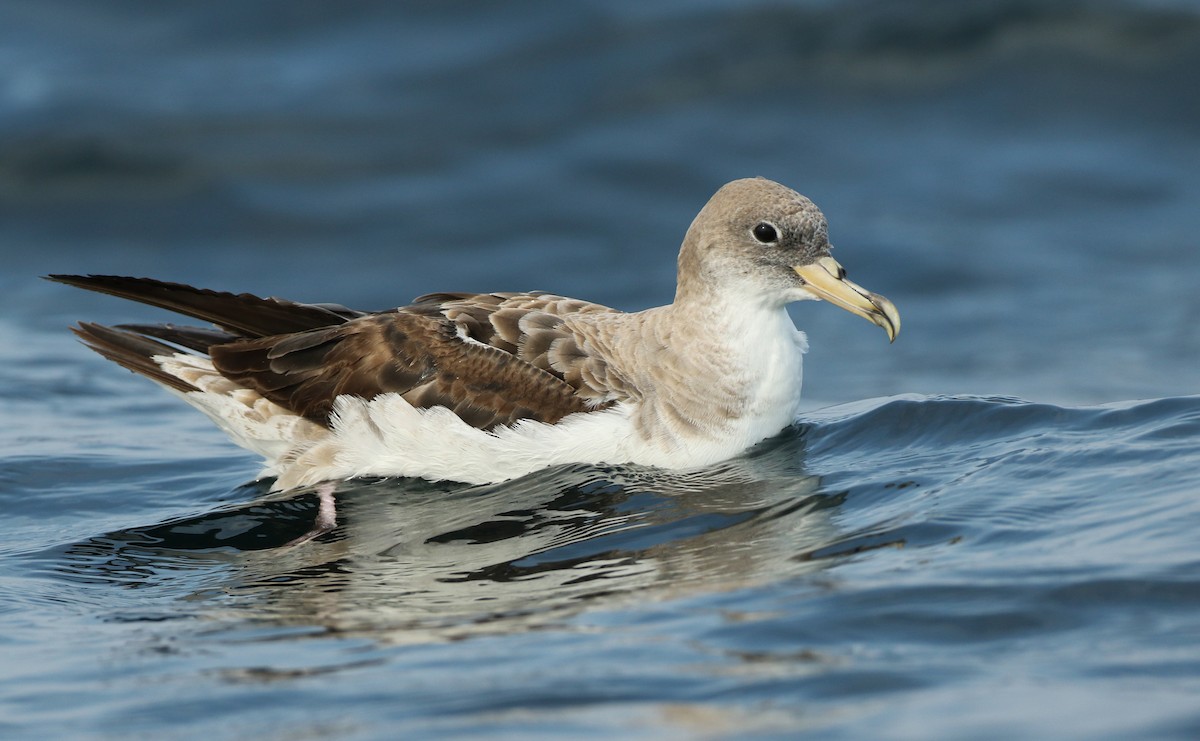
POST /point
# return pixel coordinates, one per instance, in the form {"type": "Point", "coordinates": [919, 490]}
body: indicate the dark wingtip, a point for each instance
{"type": "Point", "coordinates": [90, 279]}
{"type": "Point", "coordinates": [243, 314]}
{"type": "Point", "coordinates": [92, 282]}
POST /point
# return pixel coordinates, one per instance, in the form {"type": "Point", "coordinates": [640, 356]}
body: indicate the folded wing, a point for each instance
{"type": "Point", "coordinates": [492, 359]}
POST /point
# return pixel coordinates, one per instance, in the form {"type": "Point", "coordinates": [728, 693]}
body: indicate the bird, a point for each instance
{"type": "Point", "coordinates": [485, 387]}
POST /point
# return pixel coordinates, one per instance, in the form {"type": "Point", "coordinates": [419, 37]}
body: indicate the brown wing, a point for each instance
{"type": "Point", "coordinates": [490, 358]}
{"type": "Point", "coordinates": [242, 314]}
{"type": "Point", "coordinates": [535, 327]}
{"type": "Point", "coordinates": [419, 356]}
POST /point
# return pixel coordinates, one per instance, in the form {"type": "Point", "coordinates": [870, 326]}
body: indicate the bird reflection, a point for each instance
{"type": "Point", "coordinates": [415, 561]}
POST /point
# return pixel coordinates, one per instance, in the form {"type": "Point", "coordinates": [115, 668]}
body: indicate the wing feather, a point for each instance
{"type": "Point", "coordinates": [243, 314]}
{"type": "Point", "coordinates": [418, 356]}
{"type": "Point", "coordinates": [492, 358]}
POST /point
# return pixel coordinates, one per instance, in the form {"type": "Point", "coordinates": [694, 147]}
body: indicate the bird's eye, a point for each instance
{"type": "Point", "coordinates": [765, 233]}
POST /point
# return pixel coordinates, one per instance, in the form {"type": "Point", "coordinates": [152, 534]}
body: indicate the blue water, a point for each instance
{"type": "Point", "coordinates": [985, 530]}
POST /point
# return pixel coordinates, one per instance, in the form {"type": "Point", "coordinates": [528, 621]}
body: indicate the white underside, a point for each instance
{"type": "Point", "coordinates": [387, 436]}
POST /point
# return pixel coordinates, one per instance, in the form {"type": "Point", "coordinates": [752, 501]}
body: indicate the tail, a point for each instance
{"type": "Point", "coordinates": [176, 357]}
{"type": "Point", "coordinates": [134, 351]}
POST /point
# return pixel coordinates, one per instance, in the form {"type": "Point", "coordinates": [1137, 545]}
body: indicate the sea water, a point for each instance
{"type": "Point", "coordinates": [986, 530]}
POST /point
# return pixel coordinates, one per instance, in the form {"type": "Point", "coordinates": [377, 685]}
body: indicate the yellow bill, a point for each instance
{"type": "Point", "coordinates": [826, 279]}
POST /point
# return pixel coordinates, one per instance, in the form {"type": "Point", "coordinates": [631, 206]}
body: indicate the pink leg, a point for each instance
{"type": "Point", "coordinates": [326, 515]}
